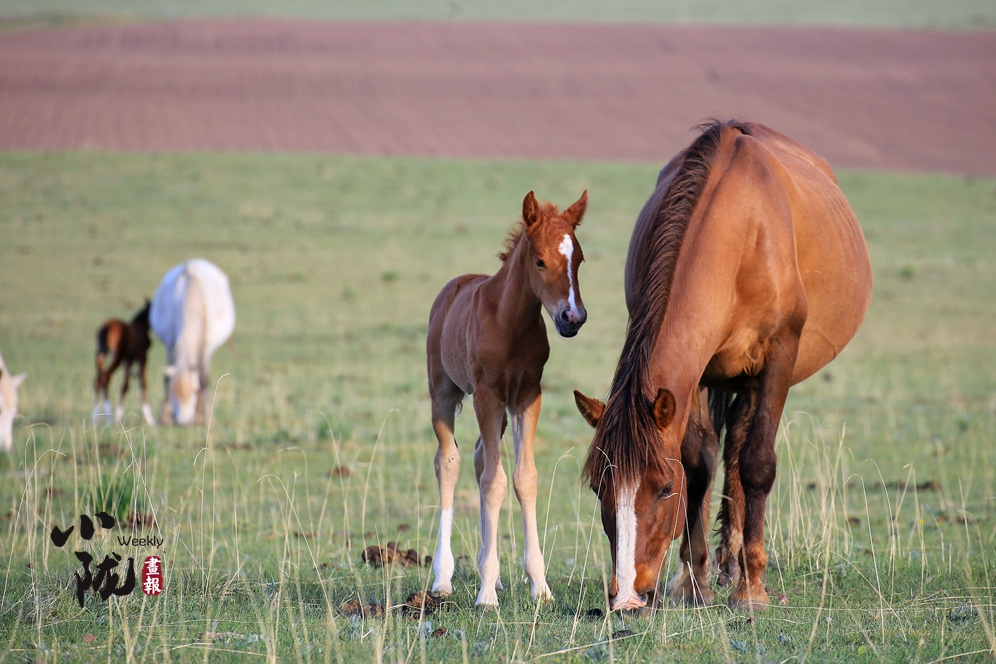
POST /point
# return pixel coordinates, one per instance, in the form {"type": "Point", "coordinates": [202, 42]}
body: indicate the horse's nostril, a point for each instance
{"type": "Point", "coordinates": [565, 315]}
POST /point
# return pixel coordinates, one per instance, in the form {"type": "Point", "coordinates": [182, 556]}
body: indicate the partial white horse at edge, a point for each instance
{"type": "Point", "coordinates": [8, 404]}
{"type": "Point", "coordinates": [193, 314]}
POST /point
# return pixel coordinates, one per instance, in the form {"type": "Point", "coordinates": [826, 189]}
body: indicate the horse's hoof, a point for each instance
{"type": "Point", "coordinates": [487, 600]}
{"type": "Point", "coordinates": [702, 596]}
{"type": "Point", "coordinates": [543, 594]}
{"type": "Point", "coordinates": [444, 589]}
{"type": "Point", "coordinates": [750, 600]}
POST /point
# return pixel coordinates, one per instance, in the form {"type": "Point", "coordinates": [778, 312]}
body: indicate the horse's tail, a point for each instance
{"type": "Point", "coordinates": [720, 404]}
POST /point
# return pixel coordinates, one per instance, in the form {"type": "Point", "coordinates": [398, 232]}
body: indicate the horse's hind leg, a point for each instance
{"type": "Point", "coordinates": [478, 469]}
{"type": "Point", "coordinates": [105, 409]}
{"type": "Point", "coordinates": [490, 418]}
{"type": "Point", "coordinates": [731, 510]}
{"type": "Point", "coordinates": [119, 411]}
{"type": "Point", "coordinates": [699, 450]}
{"type": "Point", "coordinates": [524, 478]}
{"type": "Point", "coordinates": [444, 404]}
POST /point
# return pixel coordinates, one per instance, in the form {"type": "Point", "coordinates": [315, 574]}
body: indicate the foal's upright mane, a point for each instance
{"type": "Point", "coordinates": [626, 440]}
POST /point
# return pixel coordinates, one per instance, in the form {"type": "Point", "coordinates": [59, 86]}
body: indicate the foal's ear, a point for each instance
{"type": "Point", "coordinates": [575, 213]}
{"type": "Point", "coordinates": [591, 409]}
{"type": "Point", "coordinates": [18, 379]}
{"type": "Point", "coordinates": [530, 210]}
{"type": "Point", "coordinates": [664, 407]}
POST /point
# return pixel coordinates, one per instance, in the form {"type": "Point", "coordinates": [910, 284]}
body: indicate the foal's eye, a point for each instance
{"type": "Point", "coordinates": [666, 491]}
{"type": "Point", "coordinates": [540, 264]}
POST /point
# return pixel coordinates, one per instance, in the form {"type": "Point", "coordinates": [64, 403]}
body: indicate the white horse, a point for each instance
{"type": "Point", "coordinates": [193, 314]}
{"type": "Point", "coordinates": [8, 404]}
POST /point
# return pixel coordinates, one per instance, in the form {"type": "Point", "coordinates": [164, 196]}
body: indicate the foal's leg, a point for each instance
{"type": "Point", "coordinates": [731, 509]}
{"type": "Point", "coordinates": [447, 463]}
{"type": "Point", "coordinates": [119, 411]}
{"type": "Point", "coordinates": [757, 469]}
{"type": "Point", "coordinates": [478, 470]}
{"type": "Point", "coordinates": [146, 410]}
{"type": "Point", "coordinates": [490, 416]}
{"type": "Point", "coordinates": [699, 449]}
{"type": "Point", "coordinates": [105, 409]}
{"type": "Point", "coordinates": [524, 479]}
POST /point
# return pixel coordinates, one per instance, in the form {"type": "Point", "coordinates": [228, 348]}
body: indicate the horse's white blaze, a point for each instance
{"type": "Point", "coordinates": [625, 542]}
{"type": "Point", "coordinates": [567, 249]}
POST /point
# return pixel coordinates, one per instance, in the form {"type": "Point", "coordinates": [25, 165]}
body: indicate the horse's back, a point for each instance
{"type": "Point", "coordinates": [218, 304]}
{"type": "Point", "coordinates": [191, 292]}
{"type": "Point", "coordinates": [831, 254]}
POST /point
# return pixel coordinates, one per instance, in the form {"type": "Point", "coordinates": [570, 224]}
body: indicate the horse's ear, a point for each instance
{"type": "Point", "coordinates": [18, 379]}
{"type": "Point", "coordinates": [591, 409]}
{"type": "Point", "coordinates": [664, 407]}
{"type": "Point", "coordinates": [575, 213]}
{"type": "Point", "coordinates": [530, 210]}
{"type": "Point", "coordinates": [169, 370]}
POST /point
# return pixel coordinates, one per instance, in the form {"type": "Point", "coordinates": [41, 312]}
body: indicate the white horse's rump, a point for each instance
{"type": "Point", "coordinates": [8, 404]}
{"type": "Point", "coordinates": [193, 314]}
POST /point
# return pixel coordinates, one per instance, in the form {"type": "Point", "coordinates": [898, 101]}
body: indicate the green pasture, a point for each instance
{"type": "Point", "coordinates": [881, 526]}
{"type": "Point", "coordinates": [956, 14]}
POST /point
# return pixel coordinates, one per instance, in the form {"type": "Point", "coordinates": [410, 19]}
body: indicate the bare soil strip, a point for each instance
{"type": "Point", "coordinates": [877, 99]}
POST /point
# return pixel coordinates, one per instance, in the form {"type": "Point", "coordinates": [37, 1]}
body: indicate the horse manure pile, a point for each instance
{"type": "Point", "coordinates": [376, 556]}
{"type": "Point", "coordinates": [423, 604]}
{"type": "Point", "coordinates": [354, 608]}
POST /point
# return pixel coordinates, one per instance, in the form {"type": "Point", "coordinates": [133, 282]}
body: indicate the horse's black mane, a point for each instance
{"type": "Point", "coordinates": [626, 439]}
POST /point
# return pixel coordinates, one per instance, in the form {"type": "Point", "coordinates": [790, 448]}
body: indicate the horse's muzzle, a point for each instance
{"type": "Point", "coordinates": [568, 323]}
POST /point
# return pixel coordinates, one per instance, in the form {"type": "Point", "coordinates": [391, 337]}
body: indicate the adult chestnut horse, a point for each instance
{"type": "Point", "coordinates": [126, 343]}
{"type": "Point", "coordinates": [747, 272]}
{"type": "Point", "coordinates": [487, 338]}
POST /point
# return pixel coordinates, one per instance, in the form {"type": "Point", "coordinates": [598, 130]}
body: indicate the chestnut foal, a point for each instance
{"type": "Point", "coordinates": [127, 343]}
{"type": "Point", "coordinates": [487, 338]}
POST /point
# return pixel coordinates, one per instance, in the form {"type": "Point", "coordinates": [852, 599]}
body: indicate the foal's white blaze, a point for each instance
{"type": "Point", "coordinates": [567, 249]}
{"type": "Point", "coordinates": [625, 545]}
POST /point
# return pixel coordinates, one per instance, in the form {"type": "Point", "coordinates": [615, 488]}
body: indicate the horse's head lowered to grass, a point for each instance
{"type": "Point", "coordinates": [641, 489]}
{"type": "Point", "coordinates": [183, 387]}
{"type": "Point", "coordinates": [554, 259]}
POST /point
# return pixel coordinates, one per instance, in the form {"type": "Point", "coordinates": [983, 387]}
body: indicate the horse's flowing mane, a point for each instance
{"type": "Point", "coordinates": [626, 439]}
{"type": "Point", "coordinates": [546, 210]}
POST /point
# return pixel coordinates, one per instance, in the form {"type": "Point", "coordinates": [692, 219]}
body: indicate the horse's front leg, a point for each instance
{"type": "Point", "coordinates": [698, 451]}
{"type": "Point", "coordinates": [492, 480]}
{"type": "Point", "coordinates": [757, 469]}
{"type": "Point", "coordinates": [731, 510]}
{"type": "Point", "coordinates": [524, 419]}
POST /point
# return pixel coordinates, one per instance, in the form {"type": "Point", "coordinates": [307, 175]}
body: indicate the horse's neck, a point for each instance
{"type": "Point", "coordinates": [509, 288]}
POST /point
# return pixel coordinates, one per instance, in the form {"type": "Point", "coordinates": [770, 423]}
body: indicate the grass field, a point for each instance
{"type": "Point", "coordinates": [881, 525]}
{"type": "Point", "coordinates": [958, 14]}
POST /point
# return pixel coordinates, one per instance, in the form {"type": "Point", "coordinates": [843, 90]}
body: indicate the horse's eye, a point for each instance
{"type": "Point", "coordinates": [540, 264]}
{"type": "Point", "coordinates": [666, 491]}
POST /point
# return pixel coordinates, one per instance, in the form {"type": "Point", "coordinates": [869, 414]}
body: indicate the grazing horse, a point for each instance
{"type": "Point", "coordinates": [127, 343]}
{"type": "Point", "coordinates": [747, 272]}
{"type": "Point", "coordinates": [487, 338]}
{"type": "Point", "coordinates": [193, 314]}
{"type": "Point", "coordinates": [8, 404]}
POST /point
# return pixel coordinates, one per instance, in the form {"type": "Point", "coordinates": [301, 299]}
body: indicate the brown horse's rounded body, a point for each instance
{"type": "Point", "coordinates": [747, 272]}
